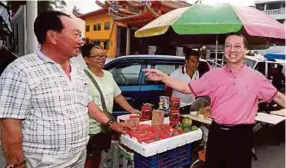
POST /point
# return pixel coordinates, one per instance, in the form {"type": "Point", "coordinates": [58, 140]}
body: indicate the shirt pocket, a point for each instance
{"type": "Point", "coordinates": [82, 93]}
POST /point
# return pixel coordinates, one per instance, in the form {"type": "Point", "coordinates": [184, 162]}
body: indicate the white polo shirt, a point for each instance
{"type": "Point", "coordinates": [181, 74]}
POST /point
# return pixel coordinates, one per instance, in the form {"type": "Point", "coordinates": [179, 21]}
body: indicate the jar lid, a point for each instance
{"type": "Point", "coordinates": [177, 99]}
{"type": "Point", "coordinates": [144, 107]}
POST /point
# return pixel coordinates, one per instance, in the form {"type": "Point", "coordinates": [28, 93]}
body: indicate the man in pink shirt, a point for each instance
{"type": "Point", "coordinates": [234, 91]}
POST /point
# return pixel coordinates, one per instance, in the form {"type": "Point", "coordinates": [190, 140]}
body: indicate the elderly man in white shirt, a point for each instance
{"type": "Point", "coordinates": [45, 103]}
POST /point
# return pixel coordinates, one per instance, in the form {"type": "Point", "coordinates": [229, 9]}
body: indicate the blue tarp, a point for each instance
{"type": "Point", "coordinates": [273, 56]}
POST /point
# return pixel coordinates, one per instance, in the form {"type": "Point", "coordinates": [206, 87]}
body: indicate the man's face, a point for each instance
{"type": "Point", "coordinates": [234, 50]}
{"type": "Point", "coordinates": [96, 58]}
{"type": "Point", "coordinates": [193, 63]}
{"type": "Point", "coordinates": [68, 40]}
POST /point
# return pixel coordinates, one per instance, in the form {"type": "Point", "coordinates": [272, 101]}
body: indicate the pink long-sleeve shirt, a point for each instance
{"type": "Point", "coordinates": [234, 95]}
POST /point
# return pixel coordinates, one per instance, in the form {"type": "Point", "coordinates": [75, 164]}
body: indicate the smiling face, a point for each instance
{"type": "Point", "coordinates": [234, 50]}
{"type": "Point", "coordinates": [96, 59]}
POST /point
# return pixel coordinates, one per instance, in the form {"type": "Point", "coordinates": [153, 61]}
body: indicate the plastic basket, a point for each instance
{"type": "Point", "coordinates": [174, 158]}
{"type": "Point", "coordinates": [124, 152]}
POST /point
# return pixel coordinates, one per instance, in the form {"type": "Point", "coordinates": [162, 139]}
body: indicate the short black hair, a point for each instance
{"type": "Point", "coordinates": [245, 42]}
{"type": "Point", "coordinates": [190, 52]}
{"type": "Point", "coordinates": [48, 20]}
{"type": "Point", "coordinates": [86, 49]}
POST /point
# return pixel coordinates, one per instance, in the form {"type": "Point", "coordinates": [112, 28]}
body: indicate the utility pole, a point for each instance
{"type": "Point", "coordinates": [30, 40]}
{"type": "Point", "coordinates": [128, 38]}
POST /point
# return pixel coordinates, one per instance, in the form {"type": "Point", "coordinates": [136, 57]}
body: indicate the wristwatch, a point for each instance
{"type": "Point", "coordinates": [110, 122]}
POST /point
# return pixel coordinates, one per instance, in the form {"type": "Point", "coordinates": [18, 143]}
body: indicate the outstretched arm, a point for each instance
{"type": "Point", "coordinates": [125, 105]}
{"type": "Point", "coordinates": [279, 98]}
{"type": "Point", "coordinates": [101, 117]}
{"type": "Point", "coordinates": [156, 75]}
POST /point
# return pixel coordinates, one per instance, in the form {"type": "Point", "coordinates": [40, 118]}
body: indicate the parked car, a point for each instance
{"type": "Point", "coordinates": [108, 59]}
{"type": "Point", "coordinates": [135, 87]}
{"type": "Point", "coordinates": [260, 64]}
{"type": "Point", "coordinates": [269, 68]}
{"type": "Point", "coordinates": [213, 64]}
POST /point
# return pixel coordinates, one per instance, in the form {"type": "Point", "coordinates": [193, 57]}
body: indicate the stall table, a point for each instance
{"type": "Point", "coordinates": [173, 152]}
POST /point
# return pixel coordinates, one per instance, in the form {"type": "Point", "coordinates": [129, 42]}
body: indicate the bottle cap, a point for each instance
{"type": "Point", "coordinates": [175, 99]}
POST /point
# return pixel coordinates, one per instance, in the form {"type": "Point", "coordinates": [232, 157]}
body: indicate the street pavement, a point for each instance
{"type": "Point", "coordinates": [270, 156]}
{"type": "Point", "coordinates": [269, 146]}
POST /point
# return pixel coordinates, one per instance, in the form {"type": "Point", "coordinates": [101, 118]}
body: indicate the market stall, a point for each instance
{"type": "Point", "coordinates": [174, 151]}
{"type": "Point", "coordinates": [158, 141]}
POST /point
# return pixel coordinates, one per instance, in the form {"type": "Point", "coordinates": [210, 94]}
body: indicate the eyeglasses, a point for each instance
{"type": "Point", "coordinates": [98, 56]}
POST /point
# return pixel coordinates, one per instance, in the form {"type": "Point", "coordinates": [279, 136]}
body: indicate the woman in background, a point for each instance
{"type": "Point", "coordinates": [95, 58]}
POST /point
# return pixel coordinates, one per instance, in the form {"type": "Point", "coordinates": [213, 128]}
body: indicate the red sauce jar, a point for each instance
{"type": "Point", "coordinates": [146, 112]}
{"type": "Point", "coordinates": [174, 103]}
{"type": "Point", "coordinates": [174, 112]}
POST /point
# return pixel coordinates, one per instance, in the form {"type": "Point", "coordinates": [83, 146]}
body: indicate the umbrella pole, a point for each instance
{"type": "Point", "coordinates": [216, 48]}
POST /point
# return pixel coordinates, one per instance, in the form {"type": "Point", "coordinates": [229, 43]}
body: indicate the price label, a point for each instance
{"type": "Point", "coordinates": [157, 117]}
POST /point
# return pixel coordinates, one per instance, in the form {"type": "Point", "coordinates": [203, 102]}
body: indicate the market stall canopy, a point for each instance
{"type": "Point", "coordinates": [202, 19]}
{"type": "Point", "coordinates": [272, 49]}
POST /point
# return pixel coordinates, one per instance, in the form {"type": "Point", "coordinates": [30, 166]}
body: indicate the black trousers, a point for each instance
{"type": "Point", "coordinates": [229, 146]}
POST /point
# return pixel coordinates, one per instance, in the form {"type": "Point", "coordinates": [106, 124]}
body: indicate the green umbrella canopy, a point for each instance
{"type": "Point", "coordinates": [205, 19]}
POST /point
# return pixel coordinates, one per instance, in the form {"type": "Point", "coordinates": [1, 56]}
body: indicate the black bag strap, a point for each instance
{"type": "Point", "coordinates": [105, 128]}
{"type": "Point", "coordinates": [104, 107]}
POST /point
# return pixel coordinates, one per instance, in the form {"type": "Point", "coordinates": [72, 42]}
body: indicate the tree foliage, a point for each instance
{"type": "Point", "coordinates": [75, 9]}
{"type": "Point", "coordinates": [59, 4]}
{"type": "Point", "coordinates": [42, 5]}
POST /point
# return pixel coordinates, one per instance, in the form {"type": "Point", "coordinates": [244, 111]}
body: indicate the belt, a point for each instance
{"type": "Point", "coordinates": [231, 127]}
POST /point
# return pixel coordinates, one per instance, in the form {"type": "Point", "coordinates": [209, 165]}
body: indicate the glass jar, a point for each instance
{"type": "Point", "coordinates": [174, 103]}
{"type": "Point", "coordinates": [146, 112]}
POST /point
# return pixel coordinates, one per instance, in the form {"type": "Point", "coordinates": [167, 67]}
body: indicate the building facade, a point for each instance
{"type": "Point", "coordinates": [273, 8]}
{"type": "Point", "coordinates": [101, 30]}
{"type": "Point", "coordinates": [113, 26]}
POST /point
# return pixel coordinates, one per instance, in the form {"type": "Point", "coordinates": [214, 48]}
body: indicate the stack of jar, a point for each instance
{"type": "Point", "coordinates": [174, 111]}
{"type": "Point", "coordinates": [146, 112]}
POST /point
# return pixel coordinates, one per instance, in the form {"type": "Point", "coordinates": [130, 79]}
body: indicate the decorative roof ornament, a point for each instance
{"type": "Point", "coordinates": [137, 13]}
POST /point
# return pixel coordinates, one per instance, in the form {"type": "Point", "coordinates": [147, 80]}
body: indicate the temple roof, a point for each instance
{"type": "Point", "coordinates": [137, 13]}
{"type": "Point", "coordinates": [83, 16]}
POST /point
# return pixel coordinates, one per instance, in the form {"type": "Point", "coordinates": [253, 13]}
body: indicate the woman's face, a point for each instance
{"type": "Point", "coordinates": [96, 59]}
